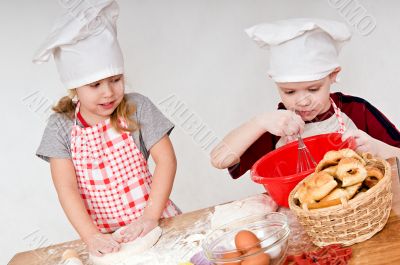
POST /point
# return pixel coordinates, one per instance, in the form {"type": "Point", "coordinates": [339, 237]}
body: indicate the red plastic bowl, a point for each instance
{"type": "Point", "coordinates": [277, 169]}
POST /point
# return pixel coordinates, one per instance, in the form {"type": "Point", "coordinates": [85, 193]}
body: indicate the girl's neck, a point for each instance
{"type": "Point", "coordinates": [90, 118]}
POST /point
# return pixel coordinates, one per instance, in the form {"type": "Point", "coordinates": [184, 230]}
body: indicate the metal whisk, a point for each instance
{"type": "Point", "coordinates": [305, 161]}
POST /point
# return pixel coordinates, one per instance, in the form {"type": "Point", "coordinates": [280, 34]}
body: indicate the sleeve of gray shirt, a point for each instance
{"type": "Point", "coordinates": [153, 124]}
{"type": "Point", "coordinates": [56, 138]}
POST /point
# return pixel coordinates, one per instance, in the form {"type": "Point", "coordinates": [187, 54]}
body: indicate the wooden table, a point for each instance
{"type": "Point", "coordinates": [383, 248]}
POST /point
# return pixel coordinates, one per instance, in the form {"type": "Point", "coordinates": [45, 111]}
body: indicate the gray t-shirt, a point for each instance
{"type": "Point", "coordinates": [56, 140]}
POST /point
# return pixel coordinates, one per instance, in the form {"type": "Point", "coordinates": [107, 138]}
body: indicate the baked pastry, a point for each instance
{"type": "Point", "coordinates": [339, 177]}
{"type": "Point", "coordinates": [374, 175]}
{"type": "Point", "coordinates": [351, 171]}
{"type": "Point", "coordinates": [351, 154]}
{"type": "Point", "coordinates": [331, 170]}
{"type": "Point", "coordinates": [318, 186]}
{"type": "Point", "coordinates": [347, 192]}
{"type": "Point", "coordinates": [332, 158]}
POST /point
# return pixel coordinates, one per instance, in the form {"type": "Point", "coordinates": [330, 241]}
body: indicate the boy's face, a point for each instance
{"type": "Point", "coordinates": [99, 99]}
{"type": "Point", "coordinates": [307, 99]}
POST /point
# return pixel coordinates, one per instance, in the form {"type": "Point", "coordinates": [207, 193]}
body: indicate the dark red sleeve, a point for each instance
{"type": "Point", "coordinates": [263, 145]}
{"type": "Point", "coordinates": [368, 118]}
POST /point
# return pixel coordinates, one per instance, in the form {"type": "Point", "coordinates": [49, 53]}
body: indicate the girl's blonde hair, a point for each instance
{"type": "Point", "coordinates": [125, 109]}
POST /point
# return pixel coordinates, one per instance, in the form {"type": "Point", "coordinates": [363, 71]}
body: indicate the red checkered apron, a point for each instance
{"type": "Point", "coordinates": [112, 174]}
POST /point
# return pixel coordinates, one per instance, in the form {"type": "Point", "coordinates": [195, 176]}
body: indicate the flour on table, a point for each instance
{"type": "Point", "coordinates": [72, 261]}
{"type": "Point", "coordinates": [137, 246]}
{"type": "Point", "coordinates": [172, 248]}
{"type": "Point", "coordinates": [175, 247]}
{"type": "Point", "coordinates": [227, 213]}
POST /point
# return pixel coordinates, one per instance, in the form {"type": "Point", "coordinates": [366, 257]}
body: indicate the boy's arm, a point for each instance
{"type": "Point", "coordinates": [64, 179]}
{"type": "Point", "coordinates": [281, 123]}
{"type": "Point", "coordinates": [366, 143]}
{"type": "Point", "coordinates": [228, 152]}
{"type": "Point", "coordinates": [387, 151]}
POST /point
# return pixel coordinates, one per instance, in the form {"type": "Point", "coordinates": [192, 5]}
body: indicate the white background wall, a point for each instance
{"type": "Point", "coordinates": [195, 51]}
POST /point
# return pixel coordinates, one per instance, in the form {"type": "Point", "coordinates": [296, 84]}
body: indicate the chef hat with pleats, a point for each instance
{"type": "Point", "coordinates": [301, 49]}
{"type": "Point", "coordinates": [84, 44]}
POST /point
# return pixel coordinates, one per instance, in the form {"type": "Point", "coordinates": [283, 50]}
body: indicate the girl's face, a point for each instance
{"type": "Point", "coordinates": [307, 99]}
{"type": "Point", "coordinates": [99, 99]}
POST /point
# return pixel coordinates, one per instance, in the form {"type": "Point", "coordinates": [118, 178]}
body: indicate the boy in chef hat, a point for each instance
{"type": "Point", "coordinates": [99, 138]}
{"type": "Point", "coordinates": [304, 64]}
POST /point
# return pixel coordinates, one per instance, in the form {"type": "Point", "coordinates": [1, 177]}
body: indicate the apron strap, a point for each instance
{"type": "Point", "coordinates": [338, 114]}
{"type": "Point", "coordinates": [78, 104]}
{"type": "Point", "coordinates": [78, 117]}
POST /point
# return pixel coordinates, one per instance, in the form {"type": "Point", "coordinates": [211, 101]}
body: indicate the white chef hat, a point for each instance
{"type": "Point", "coordinates": [302, 49]}
{"type": "Point", "coordinates": [84, 44]}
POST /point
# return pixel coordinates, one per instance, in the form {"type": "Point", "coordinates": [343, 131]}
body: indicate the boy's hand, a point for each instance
{"type": "Point", "coordinates": [364, 142]}
{"type": "Point", "coordinates": [138, 228]}
{"type": "Point", "coordinates": [99, 244]}
{"type": "Point", "coordinates": [281, 122]}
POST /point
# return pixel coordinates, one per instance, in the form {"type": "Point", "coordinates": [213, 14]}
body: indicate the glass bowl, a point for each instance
{"type": "Point", "coordinates": [271, 229]}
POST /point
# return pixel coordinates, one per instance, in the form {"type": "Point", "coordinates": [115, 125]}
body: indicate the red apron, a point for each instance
{"type": "Point", "coordinates": [112, 174]}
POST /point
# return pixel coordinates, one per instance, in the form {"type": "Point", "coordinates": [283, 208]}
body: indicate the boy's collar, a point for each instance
{"type": "Point", "coordinates": [320, 117]}
{"type": "Point", "coordinates": [324, 116]}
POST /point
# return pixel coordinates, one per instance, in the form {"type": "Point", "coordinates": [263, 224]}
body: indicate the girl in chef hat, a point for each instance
{"type": "Point", "coordinates": [304, 64]}
{"type": "Point", "coordinates": [99, 138]}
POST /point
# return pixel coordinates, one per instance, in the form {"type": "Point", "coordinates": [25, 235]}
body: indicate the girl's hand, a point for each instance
{"type": "Point", "coordinates": [138, 228]}
{"type": "Point", "coordinates": [281, 122]}
{"type": "Point", "coordinates": [99, 244]}
{"type": "Point", "coordinates": [364, 142]}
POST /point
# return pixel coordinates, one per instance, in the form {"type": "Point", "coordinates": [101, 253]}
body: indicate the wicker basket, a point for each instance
{"type": "Point", "coordinates": [351, 222]}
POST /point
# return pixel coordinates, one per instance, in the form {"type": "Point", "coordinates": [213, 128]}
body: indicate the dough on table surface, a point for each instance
{"type": "Point", "coordinates": [137, 246]}
{"type": "Point", "coordinates": [233, 211]}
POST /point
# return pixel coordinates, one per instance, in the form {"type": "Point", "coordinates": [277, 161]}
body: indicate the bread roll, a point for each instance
{"type": "Point", "coordinates": [374, 175]}
{"type": "Point", "coordinates": [322, 204]}
{"type": "Point", "coordinates": [317, 187]}
{"type": "Point", "coordinates": [331, 170]}
{"type": "Point", "coordinates": [349, 153]}
{"type": "Point", "coordinates": [351, 171]}
{"type": "Point", "coordinates": [333, 155]}
{"type": "Point", "coordinates": [324, 164]}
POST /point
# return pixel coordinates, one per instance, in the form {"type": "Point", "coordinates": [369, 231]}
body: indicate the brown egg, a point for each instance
{"type": "Point", "coordinates": [245, 239]}
{"type": "Point", "coordinates": [232, 255]}
{"type": "Point", "coordinates": [258, 259]}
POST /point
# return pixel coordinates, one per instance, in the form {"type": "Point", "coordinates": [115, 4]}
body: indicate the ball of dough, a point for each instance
{"type": "Point", "coordinates": [128, 249]}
